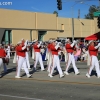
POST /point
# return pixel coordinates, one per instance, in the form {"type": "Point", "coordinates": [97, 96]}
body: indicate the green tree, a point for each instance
{"type": "Point", "coordinates": [92, 9]}
{"type": "Point", "coordinates": [55, 12]}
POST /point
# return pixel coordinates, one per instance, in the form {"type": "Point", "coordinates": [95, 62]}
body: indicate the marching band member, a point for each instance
{"type": "Point", "coordinates": [38, 56]}
{"type": "Point", "coordinates": [21, 59]}
{"type": "Point", "coordinates": [15, 59]}
{"type": "Point", "coordinates": [26, 55]}
{"type": "Point", "coordinates": [70, 48]}
{"type": "Point", "coordinates": [49, 55]}
{"type": "Point", "coordinates": [55, 59]}
{"type": "Point", "coordinates": [93, 51]}
{"type": "Point", "coordinates": [2, 58]}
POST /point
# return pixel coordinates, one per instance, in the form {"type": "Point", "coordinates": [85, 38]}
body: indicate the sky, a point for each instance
{"type": "Point", "coordinates": [49, 6]}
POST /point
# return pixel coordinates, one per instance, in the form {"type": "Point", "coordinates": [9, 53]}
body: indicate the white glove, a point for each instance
{"type": "Point", "coordinates": [99, 44]}
{"type": "Point", "coordinates": [24, 47]}
{"type": "Point", "coordinates": [74, 42]}
{"type": "Point", "coordinates": [59, 43]}
{"type": "Point", "coordinates": [40, 42]}
{"type": "Point", "coordinates": [26, 42]}
{"type": "Point", "coordinates": [96, 47]}
{"type": "Point", "coordinates": [57, 46]}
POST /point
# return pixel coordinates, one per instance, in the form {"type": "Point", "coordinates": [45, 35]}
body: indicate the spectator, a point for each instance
{"type": "Point", "coordinates": [77, 54]}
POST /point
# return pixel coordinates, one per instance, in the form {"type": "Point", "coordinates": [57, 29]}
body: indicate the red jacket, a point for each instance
{"type": "Point", "coordinates": [92, 50]}
{"type": "Point", "coordinates": [2, 53]}
{"type": "Point", "coordinates": [20, 52]}
{"type": "Point", "coordinates": [53, 50]}
{"type": "Point", "coordinates": [49, 46]}
{"type": "Point", "coordinates": [36, 48]}
{"type": "Point", "coordinates": [69, 49]}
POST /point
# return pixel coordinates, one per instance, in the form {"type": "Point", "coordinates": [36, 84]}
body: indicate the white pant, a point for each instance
{"type": "Point", "coordinates": [21, 61]}
{"type": "Point", "coordinates": [70, 60]}
{"type": "Point", "coordinates": [3, 65]}
{"type": "Point", "coordinates": [49, 60]}
{"type": "Point", "coordinates": [38, 57]}
{"type": "Point", "coordinates": [55, 63]}
{"type": "Point", "coordinates": [27, 60]}
{"type": "Point", "coordinates": [94, 63]}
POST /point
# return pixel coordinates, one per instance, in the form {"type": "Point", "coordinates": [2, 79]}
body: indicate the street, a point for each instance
{"type": "Point", "coordinates": [42, 87]}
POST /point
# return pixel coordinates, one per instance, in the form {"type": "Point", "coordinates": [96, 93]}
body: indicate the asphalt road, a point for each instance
{"type": "Point", "coordinates": [37, 90]}
{"type": "Point", "coordinates": [41, 87]}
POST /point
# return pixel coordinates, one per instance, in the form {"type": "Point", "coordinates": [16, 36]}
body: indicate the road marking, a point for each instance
{"type": "Point", "coordinates": [83, 83]}
{"type": "Point", "coordinates": [3, 95]}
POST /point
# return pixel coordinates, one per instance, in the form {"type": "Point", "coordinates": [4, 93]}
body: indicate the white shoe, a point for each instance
{"type": "Point", "coordinates": [29, 68]}
{"type": "Point", "coordinates": [61, 76]}
{"type": "Point", "coordinates": [77, 73]}
{"type": "Point", "coordinates": [17, 77]}
{"type": "Point", "coordinates": [29, 75]}
{"type": "Point", "coordinates": [98, 76]}
{"type": "Point", "coordinates": [42, 69]}
{"type": "Point", "coordinates": [48, 71]}
{"type": "Point", "coordinates": [22, 69]}
{"type": "Point", "coordinates": [66, 73]}
{"type": "Point", "coordinates": [87, 75]}
{"type": "Point", "coordinates": [50, 75]}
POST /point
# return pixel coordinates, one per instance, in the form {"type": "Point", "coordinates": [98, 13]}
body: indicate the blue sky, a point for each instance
{"type": "Point", "coordinates": [48, 6]}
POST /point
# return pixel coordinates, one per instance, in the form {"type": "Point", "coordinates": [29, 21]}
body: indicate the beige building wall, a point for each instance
{"type": "Point", "coordinates": [46, 21]}
{"type": "Point", "coordinates": [50, 34]}
{"type": "Point", "coordinates": [82, 27]}
{"type": "Point", "coordinates": [34, 35]}
{"type": "Point", "coordinates": [17, 35]}
{"type": "Point", "coordinates": [66, 22]}
{"type": "Point", "coordinates": [17, 19]}
{"type": "Point", "coordinates": [88, 28]}
{"type": "Point", "coordinates": [22, 22]}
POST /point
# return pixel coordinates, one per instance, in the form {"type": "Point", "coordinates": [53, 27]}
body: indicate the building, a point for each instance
{"type": "Point", "coordinates": [15, 25]}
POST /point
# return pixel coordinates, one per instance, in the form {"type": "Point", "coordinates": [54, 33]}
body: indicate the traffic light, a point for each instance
{"type": "Point", "coordinates": [59, 4]}
{"type": "Point", "coordinates": [98, 22]}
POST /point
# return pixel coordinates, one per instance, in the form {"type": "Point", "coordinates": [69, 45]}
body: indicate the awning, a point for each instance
{"type": "Point", "coordinates": [95, 36]}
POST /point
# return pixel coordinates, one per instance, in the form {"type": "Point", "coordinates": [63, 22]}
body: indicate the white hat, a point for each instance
{"type": "Point", "coordinates": [50, 41]}
{"type": "Point", "coordinates": [19, 42]}
{"type": "Point", "coordinates": [66, 40]}
{"type": "Point", "coordinates": [90, 42]}
{"type": "Point", "coordinates": [22, 39]}
{"type": "Point", "coordinates": [53, 40]}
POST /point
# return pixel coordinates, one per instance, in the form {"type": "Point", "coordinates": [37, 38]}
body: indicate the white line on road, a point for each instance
{"type": "Point", "coordinates": [3, 95]}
